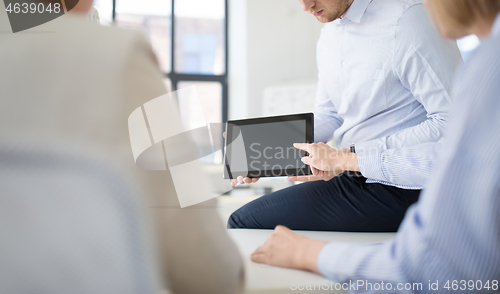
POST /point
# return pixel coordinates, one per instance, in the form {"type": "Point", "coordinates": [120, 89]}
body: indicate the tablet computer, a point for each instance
{"type": "Point", "coordinates": [263, 147]}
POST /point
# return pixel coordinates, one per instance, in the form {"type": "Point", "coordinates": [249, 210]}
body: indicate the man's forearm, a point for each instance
{"type": "Point", "coordinates": [307, 255]}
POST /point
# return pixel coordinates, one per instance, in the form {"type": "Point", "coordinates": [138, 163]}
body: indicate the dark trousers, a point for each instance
{"type": "Point", "coordinates": [345, 203]}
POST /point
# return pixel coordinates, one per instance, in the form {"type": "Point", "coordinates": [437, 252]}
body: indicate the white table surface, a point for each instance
{"type": "Point", "coordinates": [274, 280]}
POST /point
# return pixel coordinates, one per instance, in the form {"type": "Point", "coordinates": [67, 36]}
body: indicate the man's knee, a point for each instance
{"type": "Point", "coordinates": [232, 222]}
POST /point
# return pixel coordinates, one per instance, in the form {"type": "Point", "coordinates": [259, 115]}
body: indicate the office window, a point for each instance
{"type": "Point", "coordinates": [212, 105]}
{"type": "Point", "coordinates": [211, 110]}
{"type": "Point", "coordinates": [191, 46]}
{"type": "Point", "coordinates": [200, 37]}
{"type": "Point", "coordinates": [190, 43]}
{"type": "Point", "coordinates": [198, 54]}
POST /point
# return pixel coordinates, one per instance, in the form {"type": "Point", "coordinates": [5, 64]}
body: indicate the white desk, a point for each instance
{"type": "Point", "coordinates": [274, 280]}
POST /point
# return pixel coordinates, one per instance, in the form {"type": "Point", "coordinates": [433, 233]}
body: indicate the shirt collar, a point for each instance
{"type": "Point", "coordinates": [356, 11]}
{"type": "Point", "coordinates": [496, 26]}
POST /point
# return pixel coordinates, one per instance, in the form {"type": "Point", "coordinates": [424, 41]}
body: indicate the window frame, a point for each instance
{"type": "Point", "coordinates": [175, 77]}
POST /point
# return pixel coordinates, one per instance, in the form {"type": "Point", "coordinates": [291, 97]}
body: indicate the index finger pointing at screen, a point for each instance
{"type": "Point", "coordinates": [302, 146]}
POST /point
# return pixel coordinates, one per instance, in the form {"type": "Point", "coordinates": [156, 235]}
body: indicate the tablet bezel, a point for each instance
{"type": "Point", "coordinates": [309, 138]}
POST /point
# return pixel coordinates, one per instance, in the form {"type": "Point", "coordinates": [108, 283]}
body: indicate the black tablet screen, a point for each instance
{"type": "Point", "coordinates": [268, 148]}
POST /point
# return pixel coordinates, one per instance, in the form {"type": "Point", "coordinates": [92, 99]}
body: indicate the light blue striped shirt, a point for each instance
{"type": "Point", "coordinates": [410, 167]}
{"type": "Point", "coordinates": [453, 232]}
{"type": "Point", "coordinates": [384, 81]}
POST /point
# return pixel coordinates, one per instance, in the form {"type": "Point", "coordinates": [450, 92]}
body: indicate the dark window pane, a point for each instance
{"type": "Point", "coordinates": [200, 36]}
{"type": "Point", "coordinates": [153, 17]}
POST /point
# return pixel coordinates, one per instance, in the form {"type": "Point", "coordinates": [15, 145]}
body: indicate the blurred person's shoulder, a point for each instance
{"type": "Point", "coordinates": [103, 41]}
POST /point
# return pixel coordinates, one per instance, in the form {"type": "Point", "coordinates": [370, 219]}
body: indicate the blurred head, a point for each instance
{"type": "Point", "coordinates": [83, 7]}
{"type": "Point", "coordinates": [326, 10]}
{"type": "Point", "coordinates": [458, 18]}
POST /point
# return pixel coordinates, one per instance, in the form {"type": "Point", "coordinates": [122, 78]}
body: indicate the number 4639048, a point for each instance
{"type": "Point", "coordinates": [33, 8]}
{"type": "Point", "coordinates": [471, 285]}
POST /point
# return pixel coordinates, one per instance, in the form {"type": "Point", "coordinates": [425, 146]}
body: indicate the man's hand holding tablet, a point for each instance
{"type": "Point", "coordinates": [265, 144]}
{"type": "Point", "coordinates": [242, 180]}
{"type": "Point", "coordinates": [325, 162]}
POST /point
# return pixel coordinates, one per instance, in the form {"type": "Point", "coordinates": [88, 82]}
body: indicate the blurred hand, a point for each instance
{"type": "Point", "coordinates": [287, 249]}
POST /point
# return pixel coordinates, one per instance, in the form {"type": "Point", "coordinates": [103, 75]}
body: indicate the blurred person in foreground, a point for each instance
{"type": "Point", "coordinates": [453, 232]}
{"type": "Point", "coordinates": [70, 82]}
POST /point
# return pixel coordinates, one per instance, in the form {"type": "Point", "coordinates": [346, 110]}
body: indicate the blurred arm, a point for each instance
{"type": "Point", "coordinates": [452, 232]}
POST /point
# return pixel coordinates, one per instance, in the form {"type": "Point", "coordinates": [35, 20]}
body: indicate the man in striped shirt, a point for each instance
{"type": "Point", "coordinates": [384, 80]}
{"type": "Point", "coordinates": [450, 240]}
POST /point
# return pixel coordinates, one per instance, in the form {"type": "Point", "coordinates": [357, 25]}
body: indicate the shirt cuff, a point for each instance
{"type": "Point", "coordinates": [340, 262]}
{"type": "Point", "coordinates": [330, 263]}
{"type": "Point", "coordinates": [372, 145]}
{"type": "Point", "coordinates": [370, 160]}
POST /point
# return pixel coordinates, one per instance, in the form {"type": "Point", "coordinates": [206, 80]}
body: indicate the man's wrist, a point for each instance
{"type": "Point", "coordinates": [308, 254]}
{"type": "Point", "coordinates": [351, 162]}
